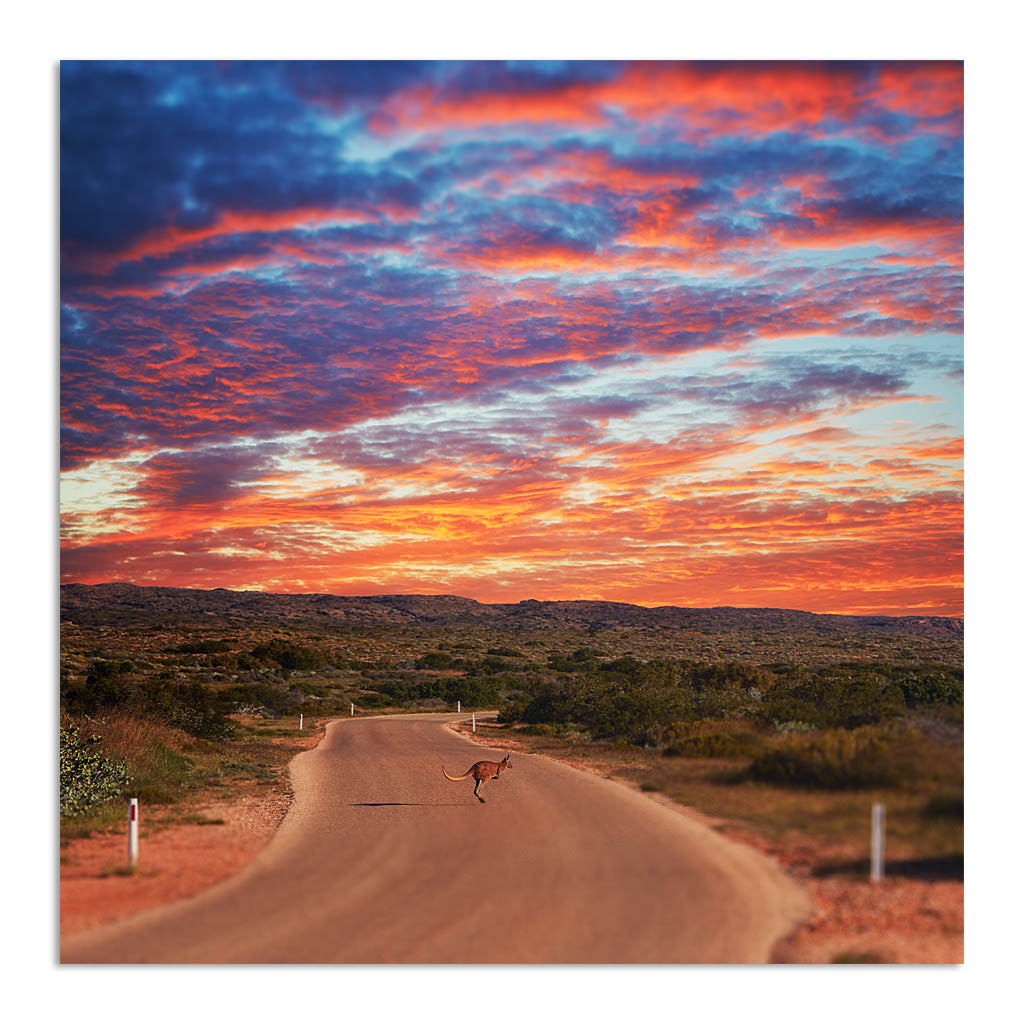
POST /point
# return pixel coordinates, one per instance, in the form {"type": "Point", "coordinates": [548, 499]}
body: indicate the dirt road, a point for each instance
{"type": "Point", "coordinates": [383, 860]}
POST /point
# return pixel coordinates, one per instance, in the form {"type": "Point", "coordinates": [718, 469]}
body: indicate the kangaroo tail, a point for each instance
{"type": "Point", "coordinates": [455, 778]}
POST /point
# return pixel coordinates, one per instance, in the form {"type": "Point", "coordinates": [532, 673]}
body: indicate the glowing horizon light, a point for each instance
{"type": "Point", "coordinates": [657, 332]}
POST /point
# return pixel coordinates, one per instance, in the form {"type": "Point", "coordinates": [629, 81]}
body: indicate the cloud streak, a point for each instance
{"type": "Point", "coordinates": [669, 333]}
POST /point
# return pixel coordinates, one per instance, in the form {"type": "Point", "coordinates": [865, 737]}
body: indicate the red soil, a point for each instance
{"type": "Point", "coordinates": [901, 920]}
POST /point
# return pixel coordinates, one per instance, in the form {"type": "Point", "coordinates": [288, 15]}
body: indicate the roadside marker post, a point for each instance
{"type": "Point", "coordinates": [300, 721]}
{"type": "Point", "coordinates": [877, 842]}
{"type": "Point", "coordinates": [474, 721]}
{"type": "Point", "coordinates": [460, 707]}
{"type": "Point", "coordinates": [351, 708]}
{"type": "Point", "coordinates": [133, 830]}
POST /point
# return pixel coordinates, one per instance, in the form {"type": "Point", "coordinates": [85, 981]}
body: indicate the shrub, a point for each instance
{"type": "Point", "coordinates": [626, 665]}
{"type": "Point", "coordinates": [720, 703]}
{"type": "Point", "coordinates": [730, 675]}
{"type": "Point", "coordinates": [715, 745]}
{"type": "Point", "coordinates": [562, 663]}
{"type": "Point", "coordinates": [201, 647]}
{"type": "Point", "coordinates": [491, 663]}
{"type": "Point", "coordinates": [929, 688]}
{"type": "Point", "coordinates": [473, 691]}
{"type": "Point", "coordinates": [793, 728]}
{"type": "Point", "coordinates": [189, 706]}
{"type": "Point", "coordinates": [859, 759]}
{"type": "Point", "coordinates": [87, 778]}
{"type": "Point", "coordinates": [264, 695]}
{"type": "Point", "coordinates": [104, 687]}
{"type": "Point", "coordinates": [833, 700]}
{"type": "Point", "coordinates": [551, 704]}
{"type": "Point", "coordinates": [630, 711]}
{"type": "Point", "coordinates": [945, 806]}
{"type": "Point", "coordinates": [512, 712]}
{"type": "Point", "coordinates": [368, 699]}
{"type": "Point", "coordinates": [712, 738]}
{"type": "Point", "coordinates": [777, 707]}
{"type": "Point", "coordinates": [624, 708]}
{"type": "Point", "coordinates": [290, 656]}
{"type": "Point", "coordinates": [435, 660]}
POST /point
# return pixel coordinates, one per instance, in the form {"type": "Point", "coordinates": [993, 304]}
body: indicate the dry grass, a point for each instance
{"type": "Point", "coordinates": [718, 789]}
{"type": "Point", "coordinates": [175, 771]}
{"type": "Point", "coordinates": [821, 838]}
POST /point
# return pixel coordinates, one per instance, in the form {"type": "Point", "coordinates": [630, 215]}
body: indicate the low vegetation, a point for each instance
{"type": "Point", "coordinates": [87, 777]}
{"type": "Point", "coordinates": [186, 706]}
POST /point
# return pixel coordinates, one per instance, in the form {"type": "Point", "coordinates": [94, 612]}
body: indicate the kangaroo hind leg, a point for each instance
{"type": "Point", "coordinates": [476, 790]}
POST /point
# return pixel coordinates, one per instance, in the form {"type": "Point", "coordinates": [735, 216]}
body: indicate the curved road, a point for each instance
{"type": "Point", "coordinates": [383, 860]}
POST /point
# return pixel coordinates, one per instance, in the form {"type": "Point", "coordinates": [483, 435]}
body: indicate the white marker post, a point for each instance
{"type": "Point", "coordinates": [460, 707]}
{"type": "Point", "coordinates": [300, 721]}
{"type": "Point", "coordinates": [352, 708]}
{"type": "Point", "coordinates": [877, 842]}
{"type": "Point", "coordinates": [133, 830]}
{"type": "Point", "coordinates": [474, 721]}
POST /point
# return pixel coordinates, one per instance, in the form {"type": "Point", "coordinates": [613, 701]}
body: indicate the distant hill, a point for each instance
{"type": "Point", "coordinates": [126, 604]}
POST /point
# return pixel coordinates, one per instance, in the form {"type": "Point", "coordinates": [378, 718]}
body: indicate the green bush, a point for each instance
{"type": "Point", "coordinates": [104, 687]}
{"type": "Point", "coordinates": [629, 710]}
{"type": "Point", "coordinates": [473, 691]}
{"type": "Point", "coordinates": [201, 647]}
{"type": "Point", "coordinates": [368, 700]}
{"type": "Point", "coordinates": [190, 706]}
{"type": "Point", "coordinates": [945, 806]}
{"type": "Point", "coordinates": [435, 660]}
{"type": "Point", "coordinates": [712, 737]}
{"type": "Point", "coordinates": [929, 688]}
{"type": "Point", "coordinates": [858, 759]}
{"type": "Point", "coordinates": [512, 713]}
{"type": "Point", "coordinates": [617, 708]}
{"type": "Point", "coordinates": [563, 663]}
{"type": "Point", "coordinates": [549, 705]}
{"type": "Point", "coordinates": [833, 699]}
{"type": "Point", "coordinates": [289, 656]}
{"type": "Point", "coordinates": [715, 745]}
{"type": "Point", "coordinates": [793, 728]}
{"type": "Point", "coordinates": [641, 702]}
{"type": "Point", "coordinates": [87, 778]}
{"type": "Point", "coordinates": [730, 675]}
{"type": "Point", "coordinates": [266, 695]}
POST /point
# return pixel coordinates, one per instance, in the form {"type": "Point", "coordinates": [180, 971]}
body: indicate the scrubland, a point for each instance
{"type": "Point", "coordinates": [188, 709]}
{"type": "Point", "coordinates": [787, 738]}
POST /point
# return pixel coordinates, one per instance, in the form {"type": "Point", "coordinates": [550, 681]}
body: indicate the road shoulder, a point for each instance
{"type": "Point", "coordinates": [903, 920]}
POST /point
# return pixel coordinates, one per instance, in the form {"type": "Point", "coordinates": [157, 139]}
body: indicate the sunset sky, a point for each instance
{"type": "Point", "coordinates": [682, 334]}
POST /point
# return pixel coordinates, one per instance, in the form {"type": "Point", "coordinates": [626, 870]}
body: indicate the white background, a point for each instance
{"type": "Point", "coordinates": [37, 38]}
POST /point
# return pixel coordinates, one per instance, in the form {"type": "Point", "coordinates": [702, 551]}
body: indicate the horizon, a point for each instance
{"type": "Point", "coordinates": [525, 600]}
{"type": "Point", "coordinates": [661, 334]}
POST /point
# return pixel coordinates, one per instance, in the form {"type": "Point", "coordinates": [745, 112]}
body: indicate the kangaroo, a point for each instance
{"type": "Point", "coordinates": [482, 771]}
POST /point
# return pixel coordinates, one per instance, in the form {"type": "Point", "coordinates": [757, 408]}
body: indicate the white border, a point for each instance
{"type": "Point", "coordinates": [36, 37]}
